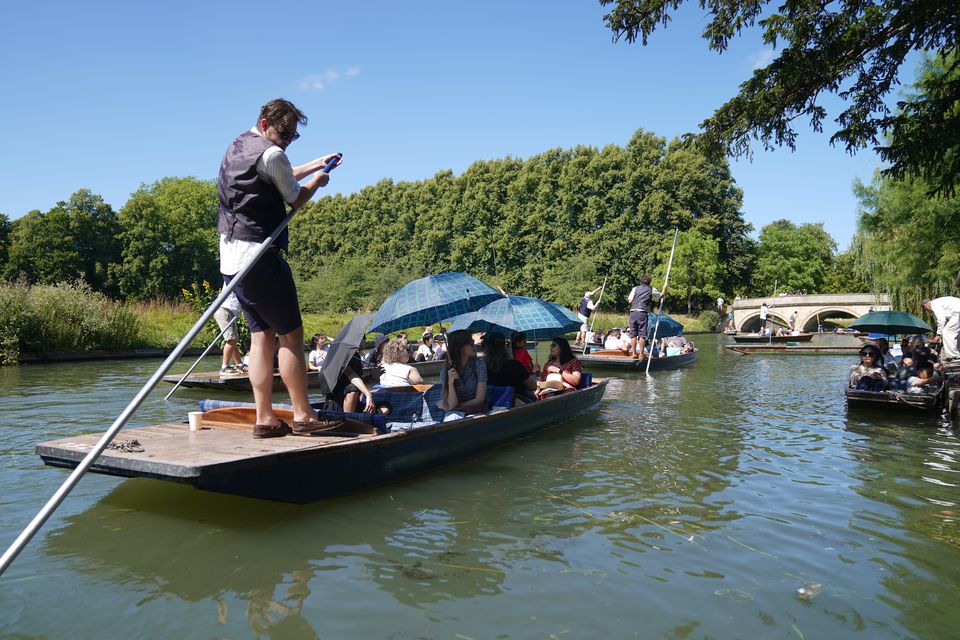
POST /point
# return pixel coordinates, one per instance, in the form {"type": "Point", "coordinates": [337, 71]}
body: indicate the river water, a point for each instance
{"type": "Point", "coordinates": [736, 498]}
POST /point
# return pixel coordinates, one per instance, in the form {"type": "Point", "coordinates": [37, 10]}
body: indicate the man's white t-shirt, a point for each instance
{"type": "Point", "coordinates": [274, 167]}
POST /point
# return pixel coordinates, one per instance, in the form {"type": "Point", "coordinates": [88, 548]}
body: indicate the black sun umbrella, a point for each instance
{"type": "Point", "coordinates": [341, 350]}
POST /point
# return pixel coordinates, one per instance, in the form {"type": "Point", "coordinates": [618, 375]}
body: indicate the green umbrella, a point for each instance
{"type": "Point", "coordinates": [890, 322]}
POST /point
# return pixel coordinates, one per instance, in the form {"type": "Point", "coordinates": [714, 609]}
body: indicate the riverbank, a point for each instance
{"type": "Point", "coordinates": [65, 323]}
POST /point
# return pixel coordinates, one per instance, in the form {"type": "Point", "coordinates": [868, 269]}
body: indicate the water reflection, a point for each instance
{"type": "Point", "coordinates": [909, 474]}
{"type": "Point", "coordinates": [736, 498]}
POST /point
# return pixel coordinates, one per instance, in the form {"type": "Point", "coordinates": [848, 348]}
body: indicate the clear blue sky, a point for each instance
{"type": "Point", "coordinates": [109, 95]}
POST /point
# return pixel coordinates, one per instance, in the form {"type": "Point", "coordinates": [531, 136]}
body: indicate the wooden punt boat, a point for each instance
{"type": "Point", "coordinates": [216, 381]}
{"type": "Point", "coordinates": [790, 349]}
{"type": "Point", "coordinates": [614, 359]}
{"type": "Point", "coordinates": [757, 337]}
{"type": "Point", "coordinates": [224, 457]}
{"type": "Point", "coordinates": [893, 400]}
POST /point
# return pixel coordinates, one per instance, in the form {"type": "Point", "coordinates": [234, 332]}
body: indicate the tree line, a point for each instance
{"type": "Point", "coordinates": [552, 225]}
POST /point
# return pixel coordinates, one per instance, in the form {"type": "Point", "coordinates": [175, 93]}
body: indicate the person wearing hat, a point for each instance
{"type": "Point", "coordinates": [425, 350]}
{"type": "Point", "coordinates": [587, 306]}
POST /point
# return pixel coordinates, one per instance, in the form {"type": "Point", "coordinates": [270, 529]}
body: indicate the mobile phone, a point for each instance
{"type": "Point", "coordinates": [332, 164]}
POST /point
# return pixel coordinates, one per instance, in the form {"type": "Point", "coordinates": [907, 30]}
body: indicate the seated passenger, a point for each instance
{"type": "Point", "coordinates": [925, 381]}
{"type": "Point", "coordinates": [318, 351]}
{"type": "Point", "coordinates": [614, 340]}
{"type": "Point", "coordinates": [346, 394]}
{"type": "Point", "coordinates": [887, 361]}
{"type": "Point", "coordinates": [425, 350]}
{"type": "Point", "coordinates": [504, 371]}
{"type": "Point", "coordinates": [439, 347]}
{"type": "Point", "coordinates": [396, 371]}
{"type": "Point", "coordinates": [562, 372]}
{"type": "Point", "coordinates": [868, 375]}
{"type": "Point", "coordinates": [374, 357]}
{"type": "Point", "coordinates": [465, 382]}
{"type": "Point", "coordinates": [520, 353]}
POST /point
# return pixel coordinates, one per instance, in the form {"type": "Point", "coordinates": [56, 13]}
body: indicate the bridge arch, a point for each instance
{"type": "Point", "coordinates": [752, 323]}
{"type": "Point", "coordinates": [812, 323]}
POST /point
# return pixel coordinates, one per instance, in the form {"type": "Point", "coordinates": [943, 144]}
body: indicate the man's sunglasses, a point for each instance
{"type": "Point", "coordinates": [288, 136]}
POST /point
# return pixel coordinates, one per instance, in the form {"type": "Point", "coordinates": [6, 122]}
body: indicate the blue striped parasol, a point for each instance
{"type": "Point", "coordinates": [537, 318]}
{"type": "Point", "coordinates": [432, 299]}
{"type": "Point", "coordinates": [667, 329]}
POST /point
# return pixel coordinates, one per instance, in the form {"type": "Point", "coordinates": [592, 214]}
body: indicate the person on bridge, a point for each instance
{"type": "Point", "coordinates": [947, 311]}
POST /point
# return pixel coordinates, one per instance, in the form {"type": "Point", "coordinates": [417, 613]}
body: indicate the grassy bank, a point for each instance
{"type": "Point", "coordinates": [46, 319]}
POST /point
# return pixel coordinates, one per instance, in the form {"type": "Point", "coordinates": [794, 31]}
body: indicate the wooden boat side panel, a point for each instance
{"type": "Point", "coordinates": [892, 400]}
{"type": "Point", "coordinates": [802, 349]}
{"type": "Point", "coordinates": [755, 337]}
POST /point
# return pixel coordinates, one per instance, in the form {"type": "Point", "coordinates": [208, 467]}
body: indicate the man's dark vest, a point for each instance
{"type": "Point", "coordinates": [641, 297]}
{"type": "Point", "coordinates": [251, 208]}
{"type": "Point", "coordinates": [585, 309]}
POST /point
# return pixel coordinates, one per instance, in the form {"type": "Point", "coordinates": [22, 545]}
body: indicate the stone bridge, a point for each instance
{"type": "Point", "coordinates": [812, 311]}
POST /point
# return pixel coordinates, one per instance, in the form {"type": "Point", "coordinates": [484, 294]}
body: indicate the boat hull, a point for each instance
{"type": "Point", "coordinates": [892, 400]}
{"type": "Point", "coordinates": [598, 360]}
{"type": "Point", "coordinates": [308, 469]}
{"type": "Point", "coordinates": [800, 349]}
{"type": "Point", "coordinates": [756, 337]}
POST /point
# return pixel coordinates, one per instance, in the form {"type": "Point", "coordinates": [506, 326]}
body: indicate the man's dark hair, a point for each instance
{"type": "Point", "coordinates": [280, 110]}
{"type": "Point", "coordinates": [646, 279]}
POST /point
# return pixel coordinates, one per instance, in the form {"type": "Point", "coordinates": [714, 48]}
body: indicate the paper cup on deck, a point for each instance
{"type": "Point", "coordinates": [196, 419]}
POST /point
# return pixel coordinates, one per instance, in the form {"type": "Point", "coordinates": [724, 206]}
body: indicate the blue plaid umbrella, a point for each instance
{"type": "Point", "coordinates": [537, 318]}
{"type": "Point", "coordinates": [432, 299]}
{"type": "Point", "coordinates": [667, 329]}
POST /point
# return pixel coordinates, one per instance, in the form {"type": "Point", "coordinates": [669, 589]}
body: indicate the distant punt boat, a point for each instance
{"type": "Point", "coordinates": [614, 359]}
{"type": "Point", "coordinates": [757, 337]}
{"type": "Point", "coordinates": [793, 349]}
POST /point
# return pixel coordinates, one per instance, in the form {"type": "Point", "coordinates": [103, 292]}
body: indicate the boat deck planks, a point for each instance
{"type": "Point", "coordinates": [172, 450]}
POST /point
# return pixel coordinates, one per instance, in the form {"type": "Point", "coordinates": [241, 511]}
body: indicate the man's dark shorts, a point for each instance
{"type": "Point", "coordinates": [268, 296]}
{"type": "Point", "coordinates": [638, 324]}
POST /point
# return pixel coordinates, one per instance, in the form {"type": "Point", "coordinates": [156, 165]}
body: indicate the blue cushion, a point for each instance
{"type": "Point", "coordinates": [586, 379]}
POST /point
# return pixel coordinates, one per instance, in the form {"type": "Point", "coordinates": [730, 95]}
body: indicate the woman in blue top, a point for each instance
{"type": "Point", "coordinates": [464, 379]}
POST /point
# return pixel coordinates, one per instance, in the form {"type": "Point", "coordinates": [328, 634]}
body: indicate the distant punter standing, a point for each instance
{"type": "Point", "coordinates": [256, 185]}
{"type": "Point", "coordinates": [587, 305]}
{"type": "Point", "coordinates": [639, 300]}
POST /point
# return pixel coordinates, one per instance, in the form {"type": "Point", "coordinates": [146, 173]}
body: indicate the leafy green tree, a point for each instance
{"type": "Point", "coordinates": [695, 276]}
{"type": "Point", "coordinates": [552, 225]}
{"type": "Point", "coordinates": [76, 239]}
{"type": "Point", "coordinates": [846, 274]}
{"type": "Point", "coordinates": [6, 227]}
{"type": "Point", "coordinates": [792, 258]}
{"type": "Point", "coordinates": [911, 240]}
{"type": "Point", "coordinates": [850, 48]}
{"type": "Point", "coordinates": [169, 238]}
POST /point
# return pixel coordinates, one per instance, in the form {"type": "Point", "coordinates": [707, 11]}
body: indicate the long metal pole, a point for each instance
{"type": "Point", "coordinates": [595, 307]}
{"type": "Point", "coordinates": [666, 279]}
{"type": "Point", "coordinates": [27, 534]}
{"type": "Point", "coordinates": [202, 356]}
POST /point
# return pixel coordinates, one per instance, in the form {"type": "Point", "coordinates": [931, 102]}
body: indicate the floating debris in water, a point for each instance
{"type": "Point", "coordinates": [809, 591]}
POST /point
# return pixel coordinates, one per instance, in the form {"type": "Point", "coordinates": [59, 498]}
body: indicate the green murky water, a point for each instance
{"type": "Point", "coordinates": [733, 499]}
